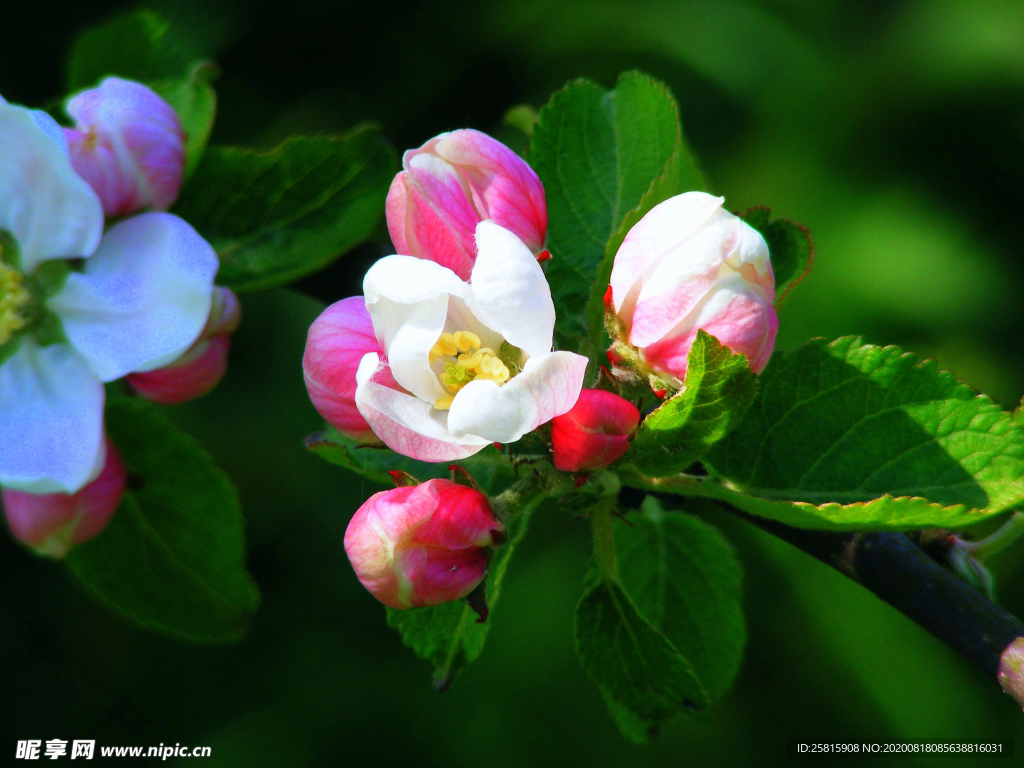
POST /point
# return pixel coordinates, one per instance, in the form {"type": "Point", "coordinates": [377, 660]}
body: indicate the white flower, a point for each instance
{"type": "Point", "coordinates": [140, 300]}
{"type": "Point", "coordinates": [472, 361]}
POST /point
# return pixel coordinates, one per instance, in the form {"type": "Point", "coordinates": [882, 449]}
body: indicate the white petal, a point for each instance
{"type": "Point", "coordinates": [405, 423]}
{"type": "Point", "coordinates": [408, 303]}
{"type": "Point", "coordinates": [52, 130]}
{"type": "Point", "coordinates": [510, 292]}
{"type": "Point", "coordinates": [143, 298]}
{"type": "Point", "coordinates": [51, 419]}
{"type": "Point", "coordinates": [51, 211]}
{"type": "Point", "coordinates": [662, 229]}
{"type": "Point", "coordinates": [548, 386]}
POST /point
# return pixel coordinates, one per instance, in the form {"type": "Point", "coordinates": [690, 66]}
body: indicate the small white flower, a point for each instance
{"type": "Point", "coordinates": [140, 301]}
{"type": "Point", "coordinates": [472, 361]}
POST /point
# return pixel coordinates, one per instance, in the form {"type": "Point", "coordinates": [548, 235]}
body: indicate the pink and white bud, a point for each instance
{"type": "Point", "coordinates": [129, 144]}
{"type": "Point", "coordinates": [422, 545]}
{"type": "Point", "coordinates": [201, 368]}
{"type": "Point", "coordinates": [54, 523]}
{"type": "Point", "coordinates": [594, 433]}
{"type": "Point", "coordinates": [451, 184]}
{"type": "Point", "coordinates": [690, 265]}
{"type": "Point", "coordinates": [337, 342]}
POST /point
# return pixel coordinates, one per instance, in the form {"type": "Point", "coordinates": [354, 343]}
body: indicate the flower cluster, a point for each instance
{"type": "Point", "coordinates": [82, 304]}
{"type": "Point", "coordinates": [450, 348]}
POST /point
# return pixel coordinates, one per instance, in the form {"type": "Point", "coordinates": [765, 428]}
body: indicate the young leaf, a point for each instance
{"type": "Point", "coordinates": [195, 101]}
{"type": "Point", "coordinates": [836, 425]}
{"type": "Point", "coordinates": [489, 467]}
{"type": "Point", "coordinates": [635, 666]}
{"type": "Point", "coordinates": [602, 155]}
{"type": "Point", "coordinates": [684, 578]}
{"type": "Point", "coordinates": [789, 245]}
{"type": "Point", "coordinates": [718, 390]}
{"type": "Point", "coordinates": [276, 216]}
{"type": "Point", "coordinates": [132, 46]}
{"type": "Point", "coordinates": [449, 635]}
{"type": "Point", "coordinates": [173, 557]}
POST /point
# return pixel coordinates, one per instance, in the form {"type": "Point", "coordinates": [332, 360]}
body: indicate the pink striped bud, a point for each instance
{"type": "Point", "coordinates": [202, 367]}
{"type": "Point", "coordinates": [336, 343]}
{"type": "Point", "coordinates": [690, 265]}
{"type": "Point", "coordinates": [451, 184]}
{"type": "Point", "coordinates": [54, 523]}
{"type": "Point", "coordinates": [594, 433]}
{"type": "Point", "coordinates": [129, 144]}
{"type": "Point", "coordinates": [422, 545]}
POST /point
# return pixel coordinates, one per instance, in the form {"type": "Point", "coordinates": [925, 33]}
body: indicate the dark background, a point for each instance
{"type": "Point", "coordinates": [894, 130]}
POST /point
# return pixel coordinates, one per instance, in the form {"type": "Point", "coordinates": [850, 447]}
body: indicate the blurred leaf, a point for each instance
{"type": "Point", "coordinates": [279, 215]}
{"type": "Point", "coordinates": [522, 117]}
{"type": "Point", "coordinates": [173, 557]}
{"type": "Point", "coordinates": [789, 245]}
{"type": "Point", "coordinates": [683, 576]}
{"type": "Point", "coordinates": [602, 155]}
{"type": "Point", "coordinates": [635, 666]}
{"type": "Point", "coordinates": [132, 46]}
{"type": "Point", "coordinates": [490, 468]}
{"type": "Point", "coordinates": [195, 101]}
{"type": "Point", "coordinates": [449, 635]}
{"type": "Point", "coordinates": [1018, 415]}
{"type": "Point", "coordinates": [718, 390]}
{"type": "Point", "coordinates": [843, 423]}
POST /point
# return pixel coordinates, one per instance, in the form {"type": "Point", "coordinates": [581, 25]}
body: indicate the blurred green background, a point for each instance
{"type": "Point", "coordinates": [894, 130]}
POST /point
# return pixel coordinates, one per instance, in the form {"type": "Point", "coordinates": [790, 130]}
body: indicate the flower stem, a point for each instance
{"type": "Point", "coordinates": [998, 540]}
{"type": "Point", "coordinates": [604, 537]}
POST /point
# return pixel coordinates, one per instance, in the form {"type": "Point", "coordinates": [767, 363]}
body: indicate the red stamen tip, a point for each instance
{"type": "Point", "coordinates": [544, 255]}
{"type": "Point", "coordinates": [660, 392]}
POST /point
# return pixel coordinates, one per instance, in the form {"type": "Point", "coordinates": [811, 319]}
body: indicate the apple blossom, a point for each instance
{"type": "Point", "coordinates": [690, 265]}
{"type": "Point", "coordinates": [140, 299]}
{"type": "Point", "coordinates": [464, 364]}
{"type": "Point", "coordinates": [128, 143]}
{"type": "Point", "coordinates": [54, 523]}
{"type": "Point", "coordinates": [422, 545]}
{"type": "Point", "coordinates": [337, 341]}
{"type": "Point", "coordinates": [594, 433]}
{"type": "Point", "coordinates": [201, 368]}
{"type": "Point", "coordinates": [452, 183]}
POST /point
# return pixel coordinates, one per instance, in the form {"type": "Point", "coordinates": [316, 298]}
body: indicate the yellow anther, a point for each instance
{"type": "Point", "coordinates": [466, 340]}
{"type": "Point", "coordinates": [444, 403]}
{"type": "Point", "coordinates": [13, 296]}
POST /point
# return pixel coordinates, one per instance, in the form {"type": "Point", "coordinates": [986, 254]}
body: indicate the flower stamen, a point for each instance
{"type": "Point", "coordinates": [13, 297]}
{"type": "Point", "coordinates": [470, 361]}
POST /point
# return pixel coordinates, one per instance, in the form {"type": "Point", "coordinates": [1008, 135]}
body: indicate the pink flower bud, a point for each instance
{"type": "Point", "coordinates": [690, 265]}
{"type": "Point", "coordinates": [128, 143]}
{"type": "Point", "coordinates": [337, 341]}
{"type": "Point", "coordinates": [594, 433]}
{"type": "Point", "coordinates": [54, 523]}
{"type": "Point", "coordinates": [202, 367]}
{"type": "Point", "coordinates": [452, 183]}
{"type": "Point", "coordinates": [422, 545]}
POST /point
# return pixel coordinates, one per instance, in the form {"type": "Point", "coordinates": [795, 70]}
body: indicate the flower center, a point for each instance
{"type": "Point", "coordinates": [465, 360]}
{"type": "Point", "coordinates": [13, 297]}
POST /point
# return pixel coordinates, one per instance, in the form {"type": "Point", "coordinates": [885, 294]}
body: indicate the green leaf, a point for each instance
{"type": "Point", "coordinates": [173, 557]}
{"type": "Point", "coordinates": [449, 635]}
{"type": "Point", "coordinates": [602, 155]}
{"type": "Point", "coordinates": [837, 426]}
{"type": "Point", "coordinates": [276, 216]}
{"type": "Point", "coordinates": [719, 388]}
{"type": "Point", "coordinates": [789, 246]}
{"type": "Point", "coordinates": [195, 101]}
{"type": "Point", "coordinates": [490, 468]}
{"type": "Point", "coordinates": [1018, 415]}
{"type": "Point", "coordinates": [636, 667]}
{"type": "Point", "coordinates": [684, 578]}
{"type": "Point", "coordinates": [132, 46]}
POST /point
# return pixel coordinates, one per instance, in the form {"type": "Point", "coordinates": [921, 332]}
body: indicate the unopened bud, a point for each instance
{"type": "Point", "coordinates": [422, 545]}
{"type": "Point", "coordinates": [128, 143]}
{"type": "Point", "coordinates": [54, 523]}
{"type": "Point", "coordinates": [451, 184]}
{"type": "Point", "coordinates": [594, 433]}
